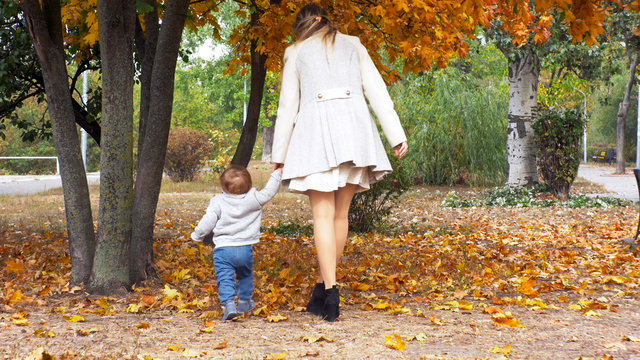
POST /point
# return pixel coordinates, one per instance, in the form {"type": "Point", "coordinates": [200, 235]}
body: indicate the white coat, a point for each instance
{"type": "Point", "coordinates": [323, 119]}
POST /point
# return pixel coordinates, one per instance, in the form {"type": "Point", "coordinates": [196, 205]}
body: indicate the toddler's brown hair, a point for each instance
{"type": "Point", "coordinates": [235, 180]}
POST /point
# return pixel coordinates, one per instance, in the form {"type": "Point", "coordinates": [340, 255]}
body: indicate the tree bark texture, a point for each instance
{"type": "Point", "coordinates": [45, 27]}
{"type": "Point", "coordinates": [146, 43]}
{"type": "Point", "coordinates": [153, 142]}
{"type": "Point", "coordinates": [247, 140]}
{"type": "Point", "coordinates": [267, 135]}
{"type": "Point", "coordinates": [523, 98]}
{"type": "Point", "coordinates": [116, 19]}
{"type": "Point", "coordinates": [623, 109]}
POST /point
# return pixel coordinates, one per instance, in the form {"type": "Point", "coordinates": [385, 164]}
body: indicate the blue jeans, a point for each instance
{"type": "Point", "coordinates": [231, 264]}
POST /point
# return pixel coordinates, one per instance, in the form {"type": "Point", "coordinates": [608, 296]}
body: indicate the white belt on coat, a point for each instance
{"type": "Point", "coordinates": [331, 94]}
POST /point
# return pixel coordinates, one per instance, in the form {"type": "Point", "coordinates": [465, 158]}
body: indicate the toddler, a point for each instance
{"type": "Point", "coordinates": [234, 217]}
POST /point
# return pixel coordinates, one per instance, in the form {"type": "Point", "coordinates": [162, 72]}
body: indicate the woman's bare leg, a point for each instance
{"type": "Point", "coordinates": [323, 211]}
{"type": "Point", "coordinates": [343, 198]}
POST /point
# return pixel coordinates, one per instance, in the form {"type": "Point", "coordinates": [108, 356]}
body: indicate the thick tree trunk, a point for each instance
{"type": "Point", "coordinates": [45, 27]}
{"type": "Point", "coordinates": [523, 97]}
{"type": "Point", "coordinates": [247, 140]}
{"type": "Point", "coordinates": [153, 141]}
{"type": "Point", "coordinates": [622, 113]}
{"type": "Point", "coordinates": [116, 19]}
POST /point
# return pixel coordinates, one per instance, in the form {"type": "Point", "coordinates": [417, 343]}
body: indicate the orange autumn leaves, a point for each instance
{"type": "Point", "coordinates": [421, 33]}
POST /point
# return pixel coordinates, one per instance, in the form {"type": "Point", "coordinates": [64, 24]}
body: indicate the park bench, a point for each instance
{"type": "Point", "coordinates": [608, 156]}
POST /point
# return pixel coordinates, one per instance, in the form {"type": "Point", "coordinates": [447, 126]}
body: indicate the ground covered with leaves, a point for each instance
{"type": "Point", "coordinates": [479, 282]}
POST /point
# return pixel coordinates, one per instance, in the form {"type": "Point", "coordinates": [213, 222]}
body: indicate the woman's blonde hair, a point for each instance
{"type": "Point", "coordinates": [235, 180]}
{"type": "Point", "coordinates": [311, 20]}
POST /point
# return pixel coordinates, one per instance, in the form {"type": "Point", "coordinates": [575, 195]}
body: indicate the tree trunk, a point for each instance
{"type": "Point", "coordinates": [267, 135]}
{"type": "Point", "coordinates": [247, 140]}
{"type": "Point", "coordinates": [146, 43]}
{"type": "Point", "coordinates": [153, 142]}
{"type": "Point", "coordinates": [45, 27]}
{"type": "Point", "coordinates": [116, 19]}
{"type": "Point", "coordinates": [267, 142]}
{"type": "Point", "coordinates": [523, 97]}
{"type": "Point", "coordinates": [622, 113]}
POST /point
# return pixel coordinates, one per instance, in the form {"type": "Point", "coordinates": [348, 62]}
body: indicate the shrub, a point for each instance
{"type": "Point", "coordinates": [369, 208]}
{"type": "Point", "coordinates": [557, 134]}
{"type": "Point", "coordinates": [186, 151]}
{"type": "Point", "coordinates": [457, 129]}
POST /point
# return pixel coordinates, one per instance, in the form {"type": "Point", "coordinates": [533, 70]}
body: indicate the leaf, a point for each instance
{"type": "Point", "coordinates": [175, 347]}
{"type": "Point", "coordinates": [630, 338]}
{"type": "Point", "coordinates": [277, 356]}
{"type": "Point", "coordinates": [276, 318]}
{"type": "Point", "coordinates": [505, 319]}
{"type": "Point", "coordinates": [16, 267]}
{"type": "Point", "coordinates": [312, 339]}
{"type": "Point", "coordinates": [492, 310]}
{"type": "Point", "coordinates": [133, 308]}
{"type": "Point", "coordinates": [261, 311]}
{"type": "Point", "coordinates": [16, 297]}
{"type": "Point", "coordinates": [505, 350]}
{"type": "Point", "coordinates": [142, 7]}
{"type": "Point", "coordinates": [170, 294]}
{"type": "Point", "coordinates": [360, 286]}
{"type": "Point", "coordinates": [148, 299]}
{"type": "Point", "coordinates": [20, 322]}
{"type": "Point", "coordinates": [82, 332]}
{"type": "Point", "coordinates": [436, 321]}
{"type": "Point", "coordinates": [190, 353]}
{"type": "Point", "coordinates": [592, 313]}
{"type": "Point", "coordinates": [420, 337]}
{"type": "Point", "coordinates": [221, 345]}
{"type": "Point", "coordinates": [394, 342]}
{"type": "Point", "coordinates": [74, 318]}
{"type": "Point", "coordinates": [208, 329]}
{"type": "Point", "coordinates": [44, 333]}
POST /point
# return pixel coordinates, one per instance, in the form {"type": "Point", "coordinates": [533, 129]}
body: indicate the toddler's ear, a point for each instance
{"type": "Point", "coordinates": [208, 239]}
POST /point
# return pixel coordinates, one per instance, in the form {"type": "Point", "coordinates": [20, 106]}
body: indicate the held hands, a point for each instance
{"type": "Point", "coordinates": [401, 149]}
{"type": "Point", "coordinates": [278, 166]}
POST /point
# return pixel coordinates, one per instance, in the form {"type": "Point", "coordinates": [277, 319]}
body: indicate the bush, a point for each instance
{"type": "Point", "coordinates": [186, 151]}
{"type": "Point", "coordinates": [557, 134]}
{"type": "Point", "coordinates": [457, 129]}
{"type": "Point", "coordinates": [369, 208]}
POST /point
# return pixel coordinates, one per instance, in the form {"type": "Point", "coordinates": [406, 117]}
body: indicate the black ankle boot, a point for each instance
{"type": "Point", "coordinates": [316, 302]}
{"type": "Point", "coordinates": [331, 308]}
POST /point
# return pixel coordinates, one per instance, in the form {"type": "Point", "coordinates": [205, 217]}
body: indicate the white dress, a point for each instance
{"type": "Point", "coordinates": [324, 134]}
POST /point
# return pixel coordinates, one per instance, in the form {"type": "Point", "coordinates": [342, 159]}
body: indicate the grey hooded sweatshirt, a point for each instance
{"type": "Point", "coordinates": [235, 218]}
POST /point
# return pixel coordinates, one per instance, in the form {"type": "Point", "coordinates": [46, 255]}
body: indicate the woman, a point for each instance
{"type": "Point", "coordinates": [326, 139]}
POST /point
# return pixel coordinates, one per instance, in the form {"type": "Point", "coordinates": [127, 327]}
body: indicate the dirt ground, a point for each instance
{"type": "Point", "coordinates": [431, 327]}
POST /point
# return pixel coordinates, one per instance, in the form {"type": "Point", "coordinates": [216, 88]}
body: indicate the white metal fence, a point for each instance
{"type": "Point", "coordinates": [33, 157]}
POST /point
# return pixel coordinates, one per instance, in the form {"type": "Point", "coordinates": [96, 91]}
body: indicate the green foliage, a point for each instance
{"type": "Point", "coordinates": [369, 208]}
{"type": "Point", "coordinates": [603, 120]}
{"type": "Point", "coordinates": [186, 151]}
{"type": "Point", "coordinates": [289, 229]}
{"type": "Point", "coordinates": [224, 143]}
{"type": "Point", "coordinates": [529, 197]}
{"type": "Point", "coordinates": [557, 134]}
{"type": "Point", "coordinates": [456, 124]}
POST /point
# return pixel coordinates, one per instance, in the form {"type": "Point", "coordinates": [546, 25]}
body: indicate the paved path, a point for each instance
{"type": "Point", "coordinates": [620, 186]}
{"type": "Point", "coordinates": [31, 184]}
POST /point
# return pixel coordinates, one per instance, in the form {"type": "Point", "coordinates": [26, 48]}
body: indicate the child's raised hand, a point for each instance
{"type": "Point", "coordinates": [278, 166]}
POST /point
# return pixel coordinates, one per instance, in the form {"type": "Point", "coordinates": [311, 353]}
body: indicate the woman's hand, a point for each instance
{"type": "Point", "coordinates": [278, 166]}
{"type": "Point", "coordinates": [401, 149]}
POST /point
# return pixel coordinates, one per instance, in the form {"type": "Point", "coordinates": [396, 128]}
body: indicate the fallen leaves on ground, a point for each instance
{"type": "Point", "coordinates": [473, 260]}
